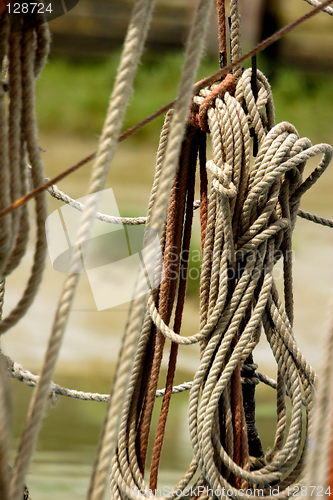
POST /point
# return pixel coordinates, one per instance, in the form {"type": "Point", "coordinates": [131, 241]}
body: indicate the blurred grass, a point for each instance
{"type": "Point", "coordinates": [72, 96]}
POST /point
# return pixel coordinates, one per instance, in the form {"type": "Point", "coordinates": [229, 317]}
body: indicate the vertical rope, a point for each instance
{"type": "Point", "coordinates": [203, 190]}
{"type": "Point", "coordinates": [220, 5]}
{"type": "Point", "coordinates": [235, 37]}
{"type": "Point", "coordinates": [5, 430]}
{"type": "Point", "coordinates": [22, 135]}
{"type": "Point", "coordinates": [157, 221]}
{"type": "Point", "coordinates": [319, 457]}
{"type": "Point", "coordinates": [179, 310]}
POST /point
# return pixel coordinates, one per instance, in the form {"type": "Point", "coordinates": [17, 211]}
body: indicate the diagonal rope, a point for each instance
{"type": "Point", "coordinates": [157, 220]}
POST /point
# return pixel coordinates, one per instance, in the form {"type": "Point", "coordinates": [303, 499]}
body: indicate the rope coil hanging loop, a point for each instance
{"type": "Point", "coordinates": [23, 55]}
{"type": "Point", "coordinates": [247, 234]}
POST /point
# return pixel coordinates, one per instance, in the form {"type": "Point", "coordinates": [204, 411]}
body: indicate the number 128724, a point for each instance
{"type": "Point", "coordinates": [29, 8]}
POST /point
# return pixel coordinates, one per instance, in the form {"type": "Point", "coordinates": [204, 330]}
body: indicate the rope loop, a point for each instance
{"type": "Point", "coordinates": [221, 179]}
{"type": "Point", "coordinates": [255, 105]}
{"type": "Point", "coordinates": [206, 99]}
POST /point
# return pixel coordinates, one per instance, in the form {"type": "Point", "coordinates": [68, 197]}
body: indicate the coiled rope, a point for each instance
{"type": "Point", "coordinates": [26, 53]}
{"type": "Point", "coordinates": [136, 35]}
{"type": "Point", "coordinates": [250, 219]}
{"type": "Point", "coordinates": [249, 214]}
{"type": "Point", "coordinates": [23, 55]}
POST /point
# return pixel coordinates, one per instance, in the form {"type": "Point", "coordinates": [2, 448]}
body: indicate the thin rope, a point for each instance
{"type": "Point", "coordinates": [193, 53]}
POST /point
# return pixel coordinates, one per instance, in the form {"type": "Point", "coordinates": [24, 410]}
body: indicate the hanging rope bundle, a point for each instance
{"type": "Point", "coordinates": [23, 55]}
{"type": "Point", "coordinates": [246, 230]}
{"type": "Point", "coordinates": [252, 215]}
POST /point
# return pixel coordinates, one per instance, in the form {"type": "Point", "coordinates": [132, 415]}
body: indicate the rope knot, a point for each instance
{"type": "Point", "coordinates": [206, 100]}
{"type": "Point", "coordinates": [221, 179]}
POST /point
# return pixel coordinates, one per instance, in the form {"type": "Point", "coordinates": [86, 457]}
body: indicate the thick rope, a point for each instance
{"type": "Point", "coordinates": [247, 214]}
{"type": "Point", "coordinates": [26, 52]}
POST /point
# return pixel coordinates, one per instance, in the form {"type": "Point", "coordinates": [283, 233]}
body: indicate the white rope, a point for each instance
{"type": "Point", "coordinates": [19, 373]}
{"type": "Point", "coordinates": [315, 3]}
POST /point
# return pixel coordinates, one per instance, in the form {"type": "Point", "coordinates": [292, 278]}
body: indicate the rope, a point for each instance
{"type": "Point", "coordinates": [315, 3]}
{"type": "Point", "coordinates": [189, 191]}
{"type": "Point", "coordinates": [136, 36]}
{"type": "Point", "coordinates": [21, 374]}
{"type": "Point", "coordinates": [22, 55]}
{"type": "Point", "coordinates": [4, 432]}
{"type": "Point", "coordinates": [235, 48]}
{"type": "Point", "coordinates": [319, 458]}
{"type": "Point", "coordinates": [220, 7]}
{"type": "Point", "coordinates": [198, 86]}
{"type": "Point", "coordinates": [249, 214]}
{"type": "Point", "coordinates": [134, 221]}
{"type": "Point", "coordinates": [27, 54]}
{"type": "Point", "coordinates": [157, 220]}
{"type": "Point", "coordinates": [258, 209]}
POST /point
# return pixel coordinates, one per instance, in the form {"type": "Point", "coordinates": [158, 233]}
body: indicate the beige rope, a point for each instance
{"type": "Point", "coordinates": [235, 47]}
{"type": "Point", "coordinates": [26, 55]}
{"type": "Point", "coordinates": [5, 428]}
{"type": "Point", "coordinates": [22, 56]}
{"type": "Point", "coordinates": [320, 438]}
{"type": "Point", "coordinates": [281, 159]}
{"type": "Point", "coordinates": [248, 212]}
